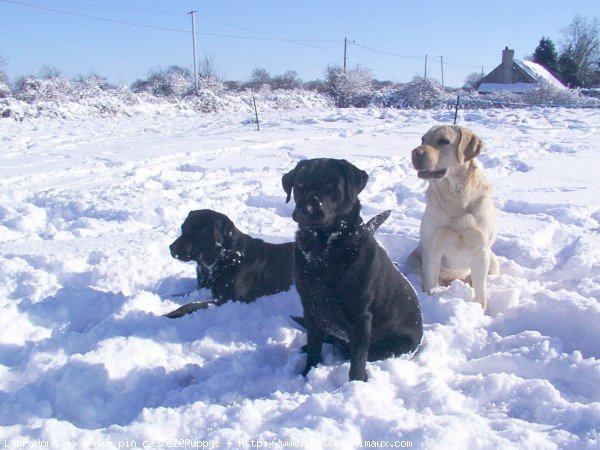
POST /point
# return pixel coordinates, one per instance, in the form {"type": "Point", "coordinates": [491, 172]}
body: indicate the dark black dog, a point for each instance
{"type": "Point", "coordinates": [349, 288]}
{"type": "Point", "coordinates": [232, 264]}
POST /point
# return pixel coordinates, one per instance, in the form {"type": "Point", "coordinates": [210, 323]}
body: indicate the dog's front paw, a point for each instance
{"type": "Point", "coordinates": [429, 288]}
{"type": "Point", "coordinates": [306, 370]}
{"type": "Point", "coordinates": [359, 377]}
{"type": "Point", "coordinates": [482, 301]}
{"type": "Point", "coordinates": [358, 374]}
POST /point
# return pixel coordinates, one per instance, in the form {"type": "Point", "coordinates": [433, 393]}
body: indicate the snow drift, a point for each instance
{"type": "Point", "coordinates": [88, 208]}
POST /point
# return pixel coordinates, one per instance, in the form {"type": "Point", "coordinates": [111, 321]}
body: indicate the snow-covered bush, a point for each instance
{"type": "Point", "coordinates": [352, 87]}
{"type": "Point", "coordinates": [32, 89]}
{"type": "Point", "coordinates": [548, 93]}
{"type": "Point", "coordinates": [4, 88]}
{"type": "Point", "coordinates": [421, 93]}
{"type": "Point", "coordinates": [211, 84]}
{"type": "Point", "coordinates": [292, 99]}
{"type": "Point", "coordinates": [57, 97]}
{"type": "Point", "coordinates": [62, 98]}
{"type": "Point", "coordinates": [207, 101]}
{"type": "Point", "coordinates": [172, 82]}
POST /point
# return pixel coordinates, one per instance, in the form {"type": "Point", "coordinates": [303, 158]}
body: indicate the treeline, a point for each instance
{"type": "Point", "coordinates": [577, 63]}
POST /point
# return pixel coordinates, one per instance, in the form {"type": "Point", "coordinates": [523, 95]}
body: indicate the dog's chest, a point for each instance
{"type": "Point", "coordinates": [326, 280]}
{"type": "Point", "coordinates": [325, 254]}
{"type": "Point", "coordinates": [328, 311]}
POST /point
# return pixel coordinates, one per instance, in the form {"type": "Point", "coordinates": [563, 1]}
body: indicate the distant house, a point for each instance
{"type": "Point", "coordinates": [515, 75]}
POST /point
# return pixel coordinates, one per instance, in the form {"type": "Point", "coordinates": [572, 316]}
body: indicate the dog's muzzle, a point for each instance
{"type": "Point", "coordinates": [309, 211]}
{"type": "Point", "coordinates": [424, 163]}
{"type": "Point", "coordinates": [181, 250]}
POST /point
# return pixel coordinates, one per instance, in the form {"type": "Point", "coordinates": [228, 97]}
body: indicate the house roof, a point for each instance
{"type": "Point", "coordinates": [515, 75]}
{"type": "Point", "coordinates": [538, 72]}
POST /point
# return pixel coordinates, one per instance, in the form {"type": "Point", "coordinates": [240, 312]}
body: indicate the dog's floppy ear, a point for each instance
{"type": "Point", "coordinates": [223, 228]}
{"type": "Point", "coordinates": [189, 220]}
{"type": "Point", "coordinates": [288, 181]}
{"type": "Point", "coordinates": [192, 214]}
{"type": "Point", "coordinates": [469, 146]}
{"type": "Point", "coordinates": [356, 179]}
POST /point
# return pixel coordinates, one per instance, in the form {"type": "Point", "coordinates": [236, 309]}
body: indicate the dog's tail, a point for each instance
{"type": "Point", "coordinates": [191, 307]}
{"type": "Point", "coordinates": [374, 224]}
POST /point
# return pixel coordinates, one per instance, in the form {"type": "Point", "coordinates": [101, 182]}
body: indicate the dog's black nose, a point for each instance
{"type": "Point", "coordinates": [308, 209]}
{"type": "Point", "coordinates": [173, 250]}
{"type": "Point", "coordinates": [181, 250]}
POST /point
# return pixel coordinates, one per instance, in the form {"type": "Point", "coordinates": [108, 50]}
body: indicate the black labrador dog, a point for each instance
{"type": "Point", "coordinates": [234, 265]}
{"type": "Point", "coordinates": [349, 288]}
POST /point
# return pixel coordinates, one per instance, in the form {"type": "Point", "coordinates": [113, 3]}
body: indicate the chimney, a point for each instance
{"type": "Point", "coordinates": [507, 65]}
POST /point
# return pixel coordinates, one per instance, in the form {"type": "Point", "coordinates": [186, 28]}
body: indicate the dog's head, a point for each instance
{"type": "Point", "coordinates": [444, 147]}
{"type": "Point", "coordinates": [324, 189]}
{"type": "Point", "coordinates": [205, 234]}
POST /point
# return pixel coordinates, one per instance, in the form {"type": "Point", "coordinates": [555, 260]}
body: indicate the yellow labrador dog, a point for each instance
{"type": "Point", "coordinates": [459, 224]}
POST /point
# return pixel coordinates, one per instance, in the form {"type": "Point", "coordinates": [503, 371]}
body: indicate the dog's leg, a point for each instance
{"type": "Point", "coordinates": [479, 271]}
{"type": "Point", "coordinates": [314, 344]}
{"type": "Point", "coordinates": [431, 264]}
{"type": "Point", "coordinates": [360, 340]}
{"type": "Point", "coordinates": [201, 276]}
{"type": "Point", "coordinates": [414, 262]}
{"type": "Point", "coordinates": [494, 265]}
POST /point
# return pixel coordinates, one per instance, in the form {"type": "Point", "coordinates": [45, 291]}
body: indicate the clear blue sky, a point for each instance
{"type": "Point", "coordinates": [124, 39]}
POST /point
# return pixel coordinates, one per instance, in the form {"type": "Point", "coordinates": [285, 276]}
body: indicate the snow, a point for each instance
{"type": "Point", "coordinates": [507, 87]}
{"type": "Point", "coordinates": [89, 205]}
{"type": "Point", "coordinates": [539, 72]}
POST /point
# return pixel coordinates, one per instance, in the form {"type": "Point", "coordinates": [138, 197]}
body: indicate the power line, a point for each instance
{"type": "Point", "coordinates": [103, 19]}
{"type": "Point", "coordinates": [230, 25]}
{"type": "Point", "coordinates": [384, 52]}
{"type": "Point", "coordinates": [419, 58]}
{"type": "Point", "coordinates": [97, 7]}
{"type": "Point", "coordinates": [305, 42]}
{"type": "Point", "coordinates": [260, 37]}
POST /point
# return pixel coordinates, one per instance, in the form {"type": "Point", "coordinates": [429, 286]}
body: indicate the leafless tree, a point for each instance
{"type": "Point", "coordinates": [288, 80]}
{"type": "Point", "coordinates": [208, 75]}
{"type": "Point", "coordinates": [472, 81]}
{"type": "Point", "coordinates": [581, 43]}
{"type": "Point", "coordinates": [4, 89]}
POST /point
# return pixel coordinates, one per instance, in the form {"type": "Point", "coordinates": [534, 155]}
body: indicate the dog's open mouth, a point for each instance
{"type": "Point", "coordinates": [429, 174]}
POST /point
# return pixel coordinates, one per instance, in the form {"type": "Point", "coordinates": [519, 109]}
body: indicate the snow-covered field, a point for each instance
{"type": "Point", "coordinates": [89, 206]}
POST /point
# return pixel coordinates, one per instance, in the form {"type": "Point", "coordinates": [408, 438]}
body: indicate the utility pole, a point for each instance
{"type": "Point", "coordinates": [425, 66]}
{"type": "Point", "coordinates": [192, 13]}
{"type": "Point", "coordinates": [442, 62]}
{"type": "Point", "coordinates": [345, 51]}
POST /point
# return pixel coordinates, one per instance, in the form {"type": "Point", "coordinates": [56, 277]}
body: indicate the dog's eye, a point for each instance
{"type": "Point", "coordinates": [443, 141]}
{"type": "Point", "coordinates": [299, 185]}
